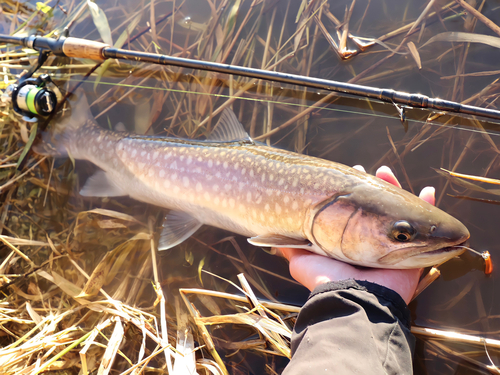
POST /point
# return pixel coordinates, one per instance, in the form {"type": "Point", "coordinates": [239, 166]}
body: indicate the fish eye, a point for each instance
{"type": "Point", "coordinates": [402, 231]}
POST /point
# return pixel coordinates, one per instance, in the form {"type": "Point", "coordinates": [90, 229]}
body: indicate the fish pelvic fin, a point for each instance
{"type": "Point", "coordinates": [62, 131]}
{"type": "Point", "coordinates": [177, 227]}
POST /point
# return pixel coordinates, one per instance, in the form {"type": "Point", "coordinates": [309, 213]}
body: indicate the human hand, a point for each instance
{"type": "Point", "coordinates": [311, 269]}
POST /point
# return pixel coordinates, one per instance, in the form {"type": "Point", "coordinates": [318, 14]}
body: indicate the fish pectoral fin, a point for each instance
{"type": "Point", "coordinates": [177, 227]}
{"type": "Point", "coordinates": [100, 185]}
{"type": "Point", "coordinates": [228, 129]}
{"type": "Point", "coordinates": [277, 240]}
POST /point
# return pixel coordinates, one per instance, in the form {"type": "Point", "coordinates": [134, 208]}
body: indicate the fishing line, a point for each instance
{"type": "Point", "coordinates": [488, 264]}
{"type": "Point", "coordinates": [352, 112]}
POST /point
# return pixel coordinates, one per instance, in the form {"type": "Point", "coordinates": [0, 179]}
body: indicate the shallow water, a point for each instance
{"type": "Point", "coordinates": [164, 100]}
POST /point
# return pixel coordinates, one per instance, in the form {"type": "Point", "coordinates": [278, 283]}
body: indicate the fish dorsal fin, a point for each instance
{"type": "Point", "coordinates": [100, 185]}
{"type": "Point", "coordinates": [177, 227]}
{"type": "Point", "coordinates": [228, 129]}
{"type": "Point", "coordinates": [278, 240]}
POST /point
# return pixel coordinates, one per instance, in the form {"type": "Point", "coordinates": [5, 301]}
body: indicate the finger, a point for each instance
{"type": "Point", "coordinates": [385, 173]}
{"type": "Point", "coordinates": [428, 194]}
{"type": "Point", "coordinates": [359, 168]}
{"type": "Point", "coordinates": [288, 253]}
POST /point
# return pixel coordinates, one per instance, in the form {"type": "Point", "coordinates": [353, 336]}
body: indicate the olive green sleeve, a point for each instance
{"type": "Point", "coordinates": [352, 327]}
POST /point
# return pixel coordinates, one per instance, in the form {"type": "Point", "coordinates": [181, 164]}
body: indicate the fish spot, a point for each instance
{"type": "Point", "coordinates": [261, 216]}
{"type": "Point", "coordinates": [166, 184]}
{"type": "Point", "coordinates": [151, 172]}
{"type": "Point", "coordinates": [278, 208]}
{"type": "Point", "coordinates": [236, 166]}
{"type": "Point", "coordinates": [271, 177]}
{"type": "Point", "coordinates": [182, 157]}
{"type": "Point", "coordinates": [224, 203]}
{"type": "Point", "coordinates": [241, 185]}
{"type": "Point", "coordinates": [210, 164]}
{"type": "Point", "coordinates": [200, 158]}
{"type": "Point", "coordinates": [173, 165]}
{"type": "Point", "coordinates": [174, 177]}
{"type": "Point", "coordinates": [199, 187]}
{"type": "Point", "coordinates": [218, 175]}
{"type": "Point", "coordinates": [100, 146]}
{"type": "Point", "coordinates": [143, 145]}
{"type": "Point", "coordinates": [302, 190]}
{"type": "Point", "coordinates": [185, 181]}
{"type": "Point", "coordinates": [295, 205]}
{"type": "Point", "coordinates": [249, 197]}
{"type": "Point", "coordinates": [317, 185]}
{"type": "Point", "coordinates": [176, 189]}
{"type": "Point", "coordinates": [231, 202]}
{"type": "Point", "coordinates": [281, 181]}
{"type": "Point", "coordinates": [295, 182]}
{"type": "Point", "coordinates": [215, 188]}
{"type": "Point", "coordinates": [189, 160]}
{"type": "Point", "coordinates": [271, 219]}
{"type": "Point", "coordinates": [263, 177]}
{"type": "Point", "coordinates": [286, 199]}
{"type": "Point", "coordinates": [216, 200]}
{"type": "Point", "coordinates": [225, 165]}
{"type": "Point", "coordinates": [242, 208]}
{"type": "Point", "coordinates": [259, 199]}
{"type": "Point", "coordinates": [227, 187]}
{"type": "Point", "coordinates": [243, 171]}
{"type": "Point", "coordinates": [251, 173]}
{"type": "Point", "coordinates": [267, 207]}
{"type": "Point", "coordinates": [155, 155]}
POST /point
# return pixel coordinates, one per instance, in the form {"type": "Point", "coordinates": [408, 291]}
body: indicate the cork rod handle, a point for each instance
{"type": "Point", "coordinates": [81, 48]}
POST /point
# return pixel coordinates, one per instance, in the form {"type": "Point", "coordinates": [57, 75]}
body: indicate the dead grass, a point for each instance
{"type": "Point", "coordinates": [83, 288]}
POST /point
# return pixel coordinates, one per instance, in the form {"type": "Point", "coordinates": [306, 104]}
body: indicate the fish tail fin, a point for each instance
{"type": "Point", "coordinates": [59, 139]}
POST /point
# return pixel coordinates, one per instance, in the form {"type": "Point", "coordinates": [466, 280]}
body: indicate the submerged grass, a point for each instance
{"type": "Point", "coordinates": [83, 289]}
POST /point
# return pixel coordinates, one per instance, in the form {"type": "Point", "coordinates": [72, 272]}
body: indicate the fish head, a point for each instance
{"type": "Point", "coordinates": [380, 225]}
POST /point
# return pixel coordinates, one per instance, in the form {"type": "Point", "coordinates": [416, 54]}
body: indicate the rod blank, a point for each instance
{"type": "Point", "coordinates": [82, 48]}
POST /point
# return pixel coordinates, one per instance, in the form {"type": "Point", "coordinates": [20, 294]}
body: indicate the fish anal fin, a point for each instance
{"type": "Point", "coordinates": [228, 129]}
{"type": "Point", "coordinates": [100, 185]}
{"type": "Point", "coordinates": [177, 227]}
{"type": "Point", "coordinates": [278, 240]}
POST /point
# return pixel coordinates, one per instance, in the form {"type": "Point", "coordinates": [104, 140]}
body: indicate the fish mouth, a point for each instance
{"type": "Point", "coordinates": [448, 249]}
{"type": "Point", "coordinates": [417, 256]}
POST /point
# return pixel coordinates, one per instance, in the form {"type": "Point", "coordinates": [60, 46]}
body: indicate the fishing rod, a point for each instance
{"type": "Point", "coordinates": [83, 48]}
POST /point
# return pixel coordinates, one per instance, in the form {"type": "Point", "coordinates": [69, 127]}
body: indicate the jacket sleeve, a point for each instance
{"type": "Point", "coordinates": [352, 327]}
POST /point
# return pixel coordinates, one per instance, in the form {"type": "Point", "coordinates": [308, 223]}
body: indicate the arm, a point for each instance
{"type": "Point", "coordinates": [356, 319]}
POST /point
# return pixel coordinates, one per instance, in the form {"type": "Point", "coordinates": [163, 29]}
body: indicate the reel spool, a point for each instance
{"type": "Point", "coordinates": [32, 97]}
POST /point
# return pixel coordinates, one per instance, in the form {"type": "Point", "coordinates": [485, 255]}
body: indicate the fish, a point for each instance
{"type": "Point", "coordinates": [275, 197]}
